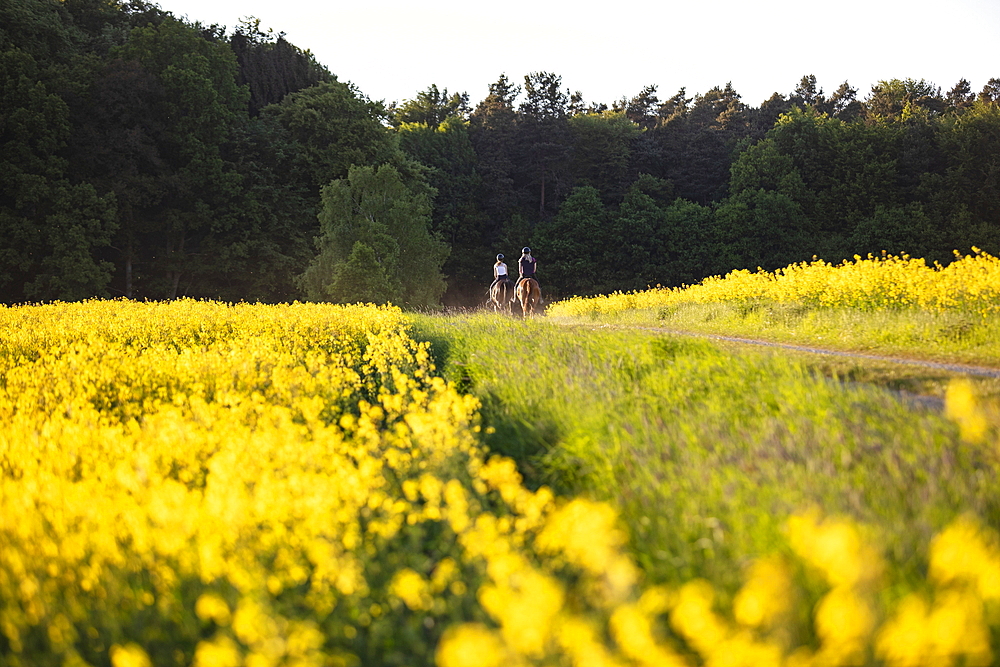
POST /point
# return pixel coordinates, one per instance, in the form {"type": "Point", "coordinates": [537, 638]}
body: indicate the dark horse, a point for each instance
{"type": "Point", "coordinates": [502, 296]}
{"type": "Point", "coordinates": [529, 294]}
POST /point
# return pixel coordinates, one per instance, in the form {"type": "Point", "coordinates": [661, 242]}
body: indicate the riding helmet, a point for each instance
{"type": "Point", "coordinates": [500, 257]}
{"type": "Point", "coordinates": [526, 250]}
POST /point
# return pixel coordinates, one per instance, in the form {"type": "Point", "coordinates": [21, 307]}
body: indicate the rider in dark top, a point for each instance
{"type": "Point", "coordinates": [526, 265]}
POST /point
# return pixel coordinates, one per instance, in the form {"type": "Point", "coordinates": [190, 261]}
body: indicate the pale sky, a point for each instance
{"type": "Point", "coordinates": [391, 50]}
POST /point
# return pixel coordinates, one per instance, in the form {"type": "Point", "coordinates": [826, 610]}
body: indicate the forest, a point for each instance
{"type": "Point", "coordinates": [147, 157]}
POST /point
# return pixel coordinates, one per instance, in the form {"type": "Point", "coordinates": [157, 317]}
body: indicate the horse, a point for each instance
{"type": "Point", "coordinates": [502, 296]}
{"type": "Point", "coordinates": [529, 294]}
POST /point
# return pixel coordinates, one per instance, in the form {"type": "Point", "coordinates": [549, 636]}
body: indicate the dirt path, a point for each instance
{"type": "Point", "coordinates": [982, 371]}
{"type": "Point", "coordinates": [919, 401]}
{"type": "Point", "coordinates": [967, 369]}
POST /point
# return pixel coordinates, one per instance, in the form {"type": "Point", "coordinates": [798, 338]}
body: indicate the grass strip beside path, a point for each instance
{"type": "Point", "coordinates": [706, 451]}
{"type": "Point", "coordinates": [910, 350]}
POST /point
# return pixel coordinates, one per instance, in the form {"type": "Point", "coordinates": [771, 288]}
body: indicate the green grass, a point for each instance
{"type": "Point", "coordinates": [706, 450]}
{"type": "Point", "coordinates": [947, 336]}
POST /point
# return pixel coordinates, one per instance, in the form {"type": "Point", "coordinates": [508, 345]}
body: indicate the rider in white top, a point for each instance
{"type": "Point", "coordinates": [499, 270]}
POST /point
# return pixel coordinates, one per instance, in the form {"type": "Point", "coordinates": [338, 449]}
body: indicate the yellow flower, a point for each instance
{"type": "Point", "coordinates": [218, 652]}
{"type": "Point", "coordinates": [632, 631]}
{"type": "Point", "coordinates": [212, 607]}
{"type": "Point", "coordinates": [586, 535]}
{"type": "Point", "coordinates": [962, 406]}
{"type": "Point", "coordinates": [412, 589]}
{"type": "Point", "coordinates": [965, 552]}
{"type": "Point", "coordinates": [844, 621]}
{"type": "Point", "coordinates": [767, 594]}
{"type": "Point", "coordinates": [130, 655]}
{"type": "Point", "coordinates": [470, 645]}
{"type": "Point", "coordinates": [921, 635]}
{"type": "Point", "coordinates": [525, 603]}
{"type": "Point", "coordinates": [694, 619]}
{"type": "Point", "coordinates": [833, 547]}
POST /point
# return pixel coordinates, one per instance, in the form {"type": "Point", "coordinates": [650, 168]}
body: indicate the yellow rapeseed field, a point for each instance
{"type": "Point", "coordinates": [196, 483]}
{"type": "Point", "coordinates": [971, 284]}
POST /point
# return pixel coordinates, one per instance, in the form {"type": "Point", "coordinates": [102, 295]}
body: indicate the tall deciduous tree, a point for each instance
{"type": "Point", "coordinates": [119, 144]}
{"type": "Point", "coordinates": [272, 67]}
{"type": "Point", "coordinates": [603, 151]}
{"type": "Point", "coordinates": [334, 127]}
{"type": "Point", "coordinates": [197, 117]}
{"type": "Point", "coordinates": [372, 222]}
{"type": "Point", "coordinates": [672, 240]}
{"type": "Point", "coordinates": [451, 161]}
{"type": "Point", "coordinates": [889, 98]}
{"type": "Point", "coordinates": [544, 140]}
{"type": "Point", "coordinates": [50, 225]}
{"type": "Point", "coordinates": [833, 174]}
{"type": "Point", "coordinates": [492, 131]}
{"type": "Point", "coordinates": [571, 246]}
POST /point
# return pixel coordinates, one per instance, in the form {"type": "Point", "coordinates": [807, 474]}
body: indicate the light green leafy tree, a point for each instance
{"type": "Point", "coordinates": [372, 222]}
{"type": "Point", "coordinates": [361, 278]}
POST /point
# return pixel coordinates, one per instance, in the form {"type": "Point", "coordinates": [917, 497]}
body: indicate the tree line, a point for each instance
{"type": "Point", "coordinates": [148, 157]}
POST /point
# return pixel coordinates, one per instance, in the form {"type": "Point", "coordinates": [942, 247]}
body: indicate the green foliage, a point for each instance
{"type": "Point", "coordinates": [39, 28]}
{"type": "Point", "coordinates": [544, 142]}
{"type": "Point", "coordinates": [77, 222]}
{"type": "Point", "coordinates": [361, 278]}
{"type": "Point", "coordinates": [259, 258]}
{"type": "Point", "coordinates": [602, 151]}
{"type": "Point", "coordinates": [49, 225]}
{"type": "Point", "coordinates": [651, 238]}
{"type": "Point", "coordinates": [492, 131]}
{"type": "Point", "coordinates": [892, 97]}
{"type": "Point", "coordinates": [763, 229]}
{"type": "Point", "coordinates": [903, 230]}
{"type": "Point", "coordinates": [447, 152]}
{"type": "Point", "coordinates": [688, 245]}
{"type": "Point", "coordinates": [194, 119]}
{"type": "Point", "coordinates": [693, 145]}
{"type": "Point", "coordinates": [575, 245]}
{"type": "Point", "coordinates": [431, 107]}
{"type": "Point", "coordinates": [372, 223]}
{"type": "Point", "coordinates": [272, 67]}
{"type": "Point", "coordinates": [706, 451]}
{"type": "Point", "coordinates": [910, 179]}
{"type": "Point", "coordinates": [335, 126]}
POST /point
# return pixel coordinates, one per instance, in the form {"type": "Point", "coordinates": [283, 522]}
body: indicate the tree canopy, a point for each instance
{"type": "Point", "coordinates": [146, 156]}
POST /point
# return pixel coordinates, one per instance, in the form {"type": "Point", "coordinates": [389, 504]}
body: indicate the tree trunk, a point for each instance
{"type": "Point", "coordinates": [175, 278]}
{"type": "Point", "coordinates": [128, 269]}
{"type": "Point", "coordinates": [541, 204]}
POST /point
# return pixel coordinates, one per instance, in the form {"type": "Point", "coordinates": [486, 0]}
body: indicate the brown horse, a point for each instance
{"type": "Point", "coordinates": [502, 296]}
{"type": "Point", "coordinates": [529, 294]}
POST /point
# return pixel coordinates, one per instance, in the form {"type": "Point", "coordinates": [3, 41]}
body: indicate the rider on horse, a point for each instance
{"type": "Point", "coordinates": [526, 265]}
{"type": "Point", "coordinates": [499, 271]}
